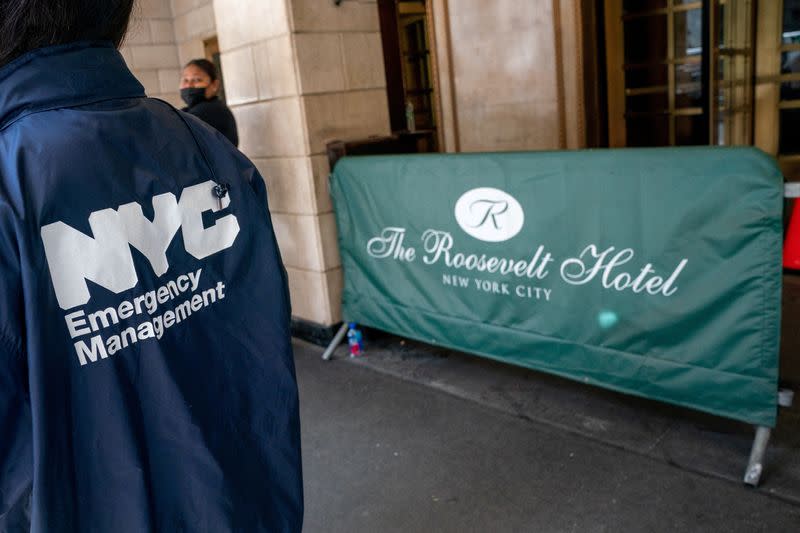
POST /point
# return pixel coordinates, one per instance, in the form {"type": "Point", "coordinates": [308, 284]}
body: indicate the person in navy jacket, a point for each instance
{"type": "Point", "coordinates": [147, 380]}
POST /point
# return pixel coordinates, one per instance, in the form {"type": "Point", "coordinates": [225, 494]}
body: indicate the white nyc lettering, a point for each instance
{"type": "Point", "coordinates": [73, 257]}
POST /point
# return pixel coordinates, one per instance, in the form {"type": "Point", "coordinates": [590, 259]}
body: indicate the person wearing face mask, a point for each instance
{"type": "Point", "coordinates": [199, 88]}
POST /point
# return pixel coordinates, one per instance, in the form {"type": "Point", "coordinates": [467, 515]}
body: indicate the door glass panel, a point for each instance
{"type": "Point", "coordinates": [688, 85]}
{"type": "Point", "coordinates": [690, 130]}
{"type": "Point", "coordinates": [790, 62]}
{"type": "Point", "coordinates": [646, 76]}
{"type": "Point", "coordinates": [790, 90]}
{"type": "Point", "coordinates": [688, 33]}
{"type": "Point", "coordinates": [789, 119]}
{"type": "Point", "coordinates": [641, 103]}
{"type": "Point", "coordinates": [648, 131]}
{"type": "Point", "coordinates": [791, 21]}
{"type": "Point", "coordinates": [637, 6]}
{"type": "Point", "coordinates": [646, 39]}
{"type": "Point", "coordinates": [790, 125]}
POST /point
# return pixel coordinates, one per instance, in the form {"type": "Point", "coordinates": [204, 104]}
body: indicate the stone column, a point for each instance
{"type": "Point", "coordinates": [150, 52]}
{"type": "Point", "coordinates": [300, 73]}
{"type": "Point", "coordinates": [194, 22]}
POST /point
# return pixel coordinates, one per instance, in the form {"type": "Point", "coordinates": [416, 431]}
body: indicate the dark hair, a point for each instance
{"type": "Point", "coordinates": [206, 66]}
{"type": "Point", "coordinates": [29, 24]}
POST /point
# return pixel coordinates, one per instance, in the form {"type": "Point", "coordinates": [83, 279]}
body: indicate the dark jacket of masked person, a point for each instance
{"type": "Point", "coordinates": [212, 111]}
{"type": "Point", "coordinates": [147, 381]}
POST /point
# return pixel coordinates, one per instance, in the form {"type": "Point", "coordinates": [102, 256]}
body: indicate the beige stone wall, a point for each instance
{"type": "Point", "coordinates": [509, 74]}
{"type": "Point", "coordinates": [194, 23]}
{"type": "Point", "coordinates": [300, 73]}
{"type": "Point", "coordinates": [150, 50]}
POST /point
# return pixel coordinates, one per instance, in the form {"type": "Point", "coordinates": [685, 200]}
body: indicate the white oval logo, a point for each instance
{"type": "Point", "coordinates": [489, 214]}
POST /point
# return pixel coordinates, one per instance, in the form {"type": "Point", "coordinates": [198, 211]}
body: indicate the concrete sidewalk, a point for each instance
{"type": "Point", "coordinates": [412, 438]}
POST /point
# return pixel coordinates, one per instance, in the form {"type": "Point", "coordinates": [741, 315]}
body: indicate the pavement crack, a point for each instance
{"type": "Point", "coordinates": [659, 439]}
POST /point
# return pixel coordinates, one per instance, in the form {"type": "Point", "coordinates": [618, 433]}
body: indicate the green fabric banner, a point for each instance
{"type": "Point", "coordinates": [655, 272]}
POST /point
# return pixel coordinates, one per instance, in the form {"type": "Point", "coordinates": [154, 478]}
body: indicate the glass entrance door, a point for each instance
{"type": "Point", "coordinates": [679, 72]}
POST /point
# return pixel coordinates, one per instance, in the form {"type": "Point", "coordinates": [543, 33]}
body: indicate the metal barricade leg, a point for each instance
{"type": "Point", "coordinates": [755, 466]}
{"type": "Point", "coordinates": [337, 339]}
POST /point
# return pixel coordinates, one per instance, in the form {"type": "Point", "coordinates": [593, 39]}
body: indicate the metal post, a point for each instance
{"type": "Point", "coordinates": [337, 339]}
{"type": "Point", "coordinates": [785, 397]}
{"type": "Point", "coordinates": [755, 465]}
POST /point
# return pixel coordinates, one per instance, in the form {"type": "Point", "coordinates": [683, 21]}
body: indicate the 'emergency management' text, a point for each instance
{"type": "Point", "coordinates": [105, 258]}
{"type": "Point", "coordinates": [184, 287]}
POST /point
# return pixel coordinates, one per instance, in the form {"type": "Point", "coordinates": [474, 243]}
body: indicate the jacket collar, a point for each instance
{"type": "Point", "coordinates": [64, 76]}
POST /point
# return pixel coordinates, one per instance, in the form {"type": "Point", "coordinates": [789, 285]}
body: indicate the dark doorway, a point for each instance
{"type": "Point", "coordinates": [408, 59]}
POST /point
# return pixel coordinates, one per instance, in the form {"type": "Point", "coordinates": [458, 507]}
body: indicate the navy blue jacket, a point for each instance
{"type": "Point", "coordinates": [146, 375]}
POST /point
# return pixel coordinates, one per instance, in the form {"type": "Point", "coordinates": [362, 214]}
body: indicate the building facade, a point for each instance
{"type": "Point", "coordinates": [471, 75]}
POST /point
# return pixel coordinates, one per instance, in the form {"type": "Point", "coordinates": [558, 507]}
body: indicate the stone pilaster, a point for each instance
{"type": "Point", "coordinates": [300, 73]}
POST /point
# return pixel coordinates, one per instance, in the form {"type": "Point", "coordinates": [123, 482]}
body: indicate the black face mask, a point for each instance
{"type": "Point", "coordinates": [193, 95]}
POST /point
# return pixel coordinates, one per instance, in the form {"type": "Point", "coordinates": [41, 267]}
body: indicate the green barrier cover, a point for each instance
{"type": "Point", "coordinates": [656, 272]}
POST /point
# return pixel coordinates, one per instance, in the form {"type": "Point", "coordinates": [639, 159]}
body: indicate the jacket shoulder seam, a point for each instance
{"type": "Point", "coordinates": [27, 113]}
